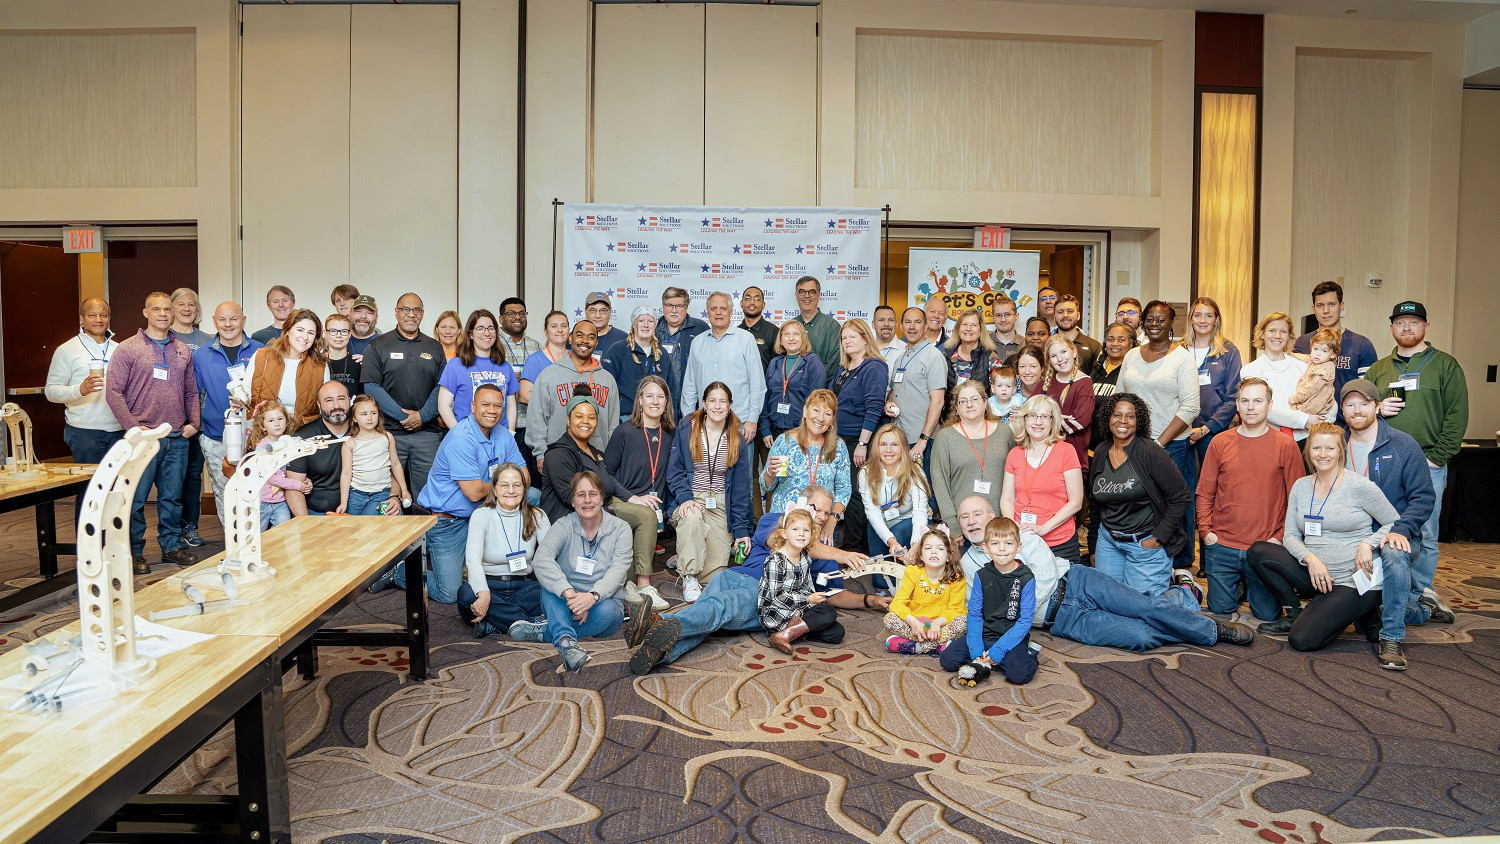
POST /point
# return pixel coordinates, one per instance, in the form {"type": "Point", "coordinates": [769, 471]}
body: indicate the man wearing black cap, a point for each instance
{"type": "Point", "coordinates": [598, 308]}
{"type": "Point", "coordinates": [362, 315]}
{"type": "Point", "coordinates": [1424, 394]}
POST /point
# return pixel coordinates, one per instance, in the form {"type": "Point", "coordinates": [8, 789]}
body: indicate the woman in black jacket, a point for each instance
{"type": "Point", "coordinates": [574, 454]}
{"type": "Point", "coordinates": [1138, 496]}
{"type": "Point", "coordinates": [637, 456]}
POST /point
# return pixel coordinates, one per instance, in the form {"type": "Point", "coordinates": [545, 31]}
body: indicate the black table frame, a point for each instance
{"type": "Point", "coordinates": [48, 548]}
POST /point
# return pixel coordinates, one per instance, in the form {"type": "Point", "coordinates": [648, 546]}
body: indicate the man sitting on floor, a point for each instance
{"type": "Point", "coordinates": [729, 601]}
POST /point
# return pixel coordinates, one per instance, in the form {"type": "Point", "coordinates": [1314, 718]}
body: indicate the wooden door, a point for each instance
{"type": "Point", "coordinates": [138, 268]}
{"type": "Point", "coordinates": [39, 301]}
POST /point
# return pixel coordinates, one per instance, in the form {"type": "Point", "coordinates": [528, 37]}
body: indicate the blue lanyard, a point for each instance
{"type": "Point", "coordinates": [161, 348]}
{"type": "Point", "coordinates": [101, 354]}
{"type": "Point", "coordinates": [906, 358]}
{"type": "Point", "coordinates": [512, 546]}
{"type": "Point", "coordinates": [1426, 359]}
{"type": "Point", "coordinates": [590, 550]}
{"type": "Point", "coordinates": [1331, 488]}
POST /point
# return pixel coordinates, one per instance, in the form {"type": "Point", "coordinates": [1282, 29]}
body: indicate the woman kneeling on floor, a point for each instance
{"type": "Point", "coordinates": [581, 564]}
{"type": "Point", "coordinates": [1329, 540]}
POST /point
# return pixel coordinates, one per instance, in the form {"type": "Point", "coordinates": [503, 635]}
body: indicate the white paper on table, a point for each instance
{"type": "Point", "coordinates": [1365, 582]}
{"type": "Point", "coordinates": [172, 638]}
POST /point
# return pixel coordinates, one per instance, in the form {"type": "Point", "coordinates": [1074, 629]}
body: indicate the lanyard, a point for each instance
{"type": "Point", "coordinates": [590, 550]}
{"type": "Point", "coordinates": [812, 462]}
{"type": "Point", "coordinates": [911, 353]}
{"type": "Point", "coordinates": [1355, 466]}
{"type": "Point", "coordinates": [510, 544]}
{"type": "Point", "coordinates": [654, 456]}
{"type": "Point", "coordinates": [786, 374]}
{"type": "Point", "coordinates": [161, 349]}
{"type": "Point", "coordinates": [1202, 364]}
{"type": "Point", "coordinates": [981, 457]}
{"type": "Point", "coordinates": [102, 354]}
{"type": "Point", "coordinates": [1426, 359]}
{"type": "Point", "coordinates": [713, 456]}
{"type": "Point", "coordinates": [1030, 472]}
{"type": "Point", "coordinates": [1331, 489]}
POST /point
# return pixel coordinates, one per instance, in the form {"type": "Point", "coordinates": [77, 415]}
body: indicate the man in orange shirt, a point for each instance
{"type": "Point", "coordinates": [1242, 496]}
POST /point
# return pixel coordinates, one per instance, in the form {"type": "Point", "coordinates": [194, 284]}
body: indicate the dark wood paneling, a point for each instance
{"type": "Point", "coordinates": [1230, 50]}
{"type": "Point", "coordinates": [138, 268]}
{"type": "Point", "coordinates": [39, 297]}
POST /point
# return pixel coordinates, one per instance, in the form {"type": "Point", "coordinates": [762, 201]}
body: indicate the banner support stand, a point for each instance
{"type": "Point", "coordinates": [885, 251]}
{"type": "Point", "coordinates": [556, 204]}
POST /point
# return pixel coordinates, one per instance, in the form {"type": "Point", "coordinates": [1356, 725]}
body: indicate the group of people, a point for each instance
{"type": "Point", "coordinates": [972, 453]}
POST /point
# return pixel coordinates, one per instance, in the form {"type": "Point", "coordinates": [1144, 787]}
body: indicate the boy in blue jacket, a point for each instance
{"type": "Point", "coordinates": [1002, 603]}
{"type": "Point", "coordinates": [1395, 463]}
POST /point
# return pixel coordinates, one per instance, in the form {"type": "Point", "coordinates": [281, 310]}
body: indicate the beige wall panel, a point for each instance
{"type": "Point", "coordinates": [1351, 185]}
{"type": "Point", "coordinates": [761, 117]}
{"type": "Point", "coordinates": [295, 171]}
{"type": "Point", "coordinates": [1478, 256]}
{"type": "Point", "coordinates": [488, 70]}
{"type": "Point", "coordinates": [982, 114]}
{"type": "Point", "coordinates": [97, 111]}
{"type": "Point", "coordinates": [648, 104]}
{"type": "Point", "coordinates": [557, 99]}
{"type": "Point", "coordinates": [1226, 211]}
{"type": "Point", "coordinates": [403, 156]}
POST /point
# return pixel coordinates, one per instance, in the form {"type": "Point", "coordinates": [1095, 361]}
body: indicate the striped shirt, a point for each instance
{"type": "Point", "coordinates": [709, 473]}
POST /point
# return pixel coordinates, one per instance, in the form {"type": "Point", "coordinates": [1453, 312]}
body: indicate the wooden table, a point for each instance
{"type": "Point", "coordinates": [65, 776]}
{"type": "Point", "coordinates": [323, 563]}
{"type": "Point", "coordinates": [42, 493]}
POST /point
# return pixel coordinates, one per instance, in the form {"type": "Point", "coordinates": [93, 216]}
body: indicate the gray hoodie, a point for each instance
{"type": "Point", "coordinates": [545, 421]}
{"type": "Point", "coordinates": [556, 559]}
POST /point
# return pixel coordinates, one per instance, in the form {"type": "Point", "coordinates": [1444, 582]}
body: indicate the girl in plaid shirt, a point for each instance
{"type": "Point", "coordinates": [789, 608]}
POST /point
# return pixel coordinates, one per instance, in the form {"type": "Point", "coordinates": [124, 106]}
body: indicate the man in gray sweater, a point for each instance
{"type": "Point", "coordinates": [545, 419]}
{"type": "Point", "coordinates": [581, 565]}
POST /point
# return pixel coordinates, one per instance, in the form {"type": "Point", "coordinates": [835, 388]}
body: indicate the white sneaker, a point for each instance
{"type": "Point", "coordinates": [657, 601]}
{"type": "Point", "coordinates": [691, 590]}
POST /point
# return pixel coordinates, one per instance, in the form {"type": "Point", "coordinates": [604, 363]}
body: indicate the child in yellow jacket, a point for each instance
{"type": "Point", "coordinates": [929, 609]}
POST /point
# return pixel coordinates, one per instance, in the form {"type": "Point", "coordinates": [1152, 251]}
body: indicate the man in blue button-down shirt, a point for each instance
{"type": "Point", "coordinates": [459, 480]}
{"type": "Point", "coordinates": [729, 355]}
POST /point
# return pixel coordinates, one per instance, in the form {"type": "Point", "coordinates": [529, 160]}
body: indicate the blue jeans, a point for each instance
{"type": "Point", "coordinates": [165, 472]}
{"type": "Point", "coordinates": [510, 601]}
{"type": "Point", "coordinates": [363, 503]}
{"type": "Point", "coordinates": [1396, 612]}
{"type": "Point", "coordinates": [1146, 570]}
{"type": "Point", "coordinates": [273, 513]}
{"type": "Point", "coordinates": [1018, 665]}
{"type": "Point", "coordinates": [1098, 610]}
{"type": "Point", "coordinates": [730, 601]}
{"type": "Point", "coordinates": [603, 619]}
{"type": "Point", "coordinates": [446, 543]}
{"type": "Point", "coordinates": [88, 446]}
{"type": "Point", "coordinates": [1424, 561]}
{"type": "Point", "coordinates": [1186, 461]}
{"type": "Point", "coordinates": [1225, 567]}
{"type": "Point", "coordinates": [192, 487]}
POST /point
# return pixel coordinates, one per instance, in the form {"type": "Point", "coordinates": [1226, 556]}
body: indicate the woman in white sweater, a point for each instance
{"type": "Point", "coordinates": [1281, 369]}
{"type": "Point", "coordinates": [499, 588]}
{"type": "Point", "coordinates": [1163, 374]}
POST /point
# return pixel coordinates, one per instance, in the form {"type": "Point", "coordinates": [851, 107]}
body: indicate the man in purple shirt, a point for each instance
{"type": "Point", "coordinates": [149, 382]}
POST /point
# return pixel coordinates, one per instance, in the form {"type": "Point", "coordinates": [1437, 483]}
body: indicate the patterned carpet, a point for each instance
{"type": "Point", "coordinates": [849, 743]}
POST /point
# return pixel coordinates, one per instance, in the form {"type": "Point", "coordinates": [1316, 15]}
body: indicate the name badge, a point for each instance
{"type": "Point", "coordinates": [900, 376]}
{"type": "Point", "coordinates": [1028, 518]}
{"type": "Point", "coordinates": [517, 560]}
{"type": "Point", "coordinates": [669, 348]}
{"type": "Point", "coordinates": [237, 372]}
{"type": "Point", "coordinates": [1312, 525]}
{"type": "Point", "coordinates": [659, 518]}
{"type": "Point", "coordinates": [983, 488]}
{"type": "Point", "coordinates": [891, 511]}
{"type": "Point", "coordinates": [1411, 382]}
{"type": "Point", "coordinates": [710, 503]}
{"type": "Point", "coordinates": [398, 356]}
{"type": "Point", "coordinates": [783, 407]}
{"type": "Point", "coordinates": [159, 373]}
{"type": "Point", "coordinates": [584, 565]}
{"type": "Point", "coordinates": [1203, 379]}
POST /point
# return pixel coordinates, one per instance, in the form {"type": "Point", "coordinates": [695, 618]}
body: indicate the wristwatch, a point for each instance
{"type": "Point", "coordinates": [597, 599]}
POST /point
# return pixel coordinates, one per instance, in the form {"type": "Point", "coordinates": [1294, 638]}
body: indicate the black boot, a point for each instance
{"type": "Point", "coordinates": [1281, 626]}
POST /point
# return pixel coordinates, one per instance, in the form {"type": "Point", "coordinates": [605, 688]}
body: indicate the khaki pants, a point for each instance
{"type": "Point", "coordinates": [642, 521]}
{"type": "Point", "coordinates": [703, 540]}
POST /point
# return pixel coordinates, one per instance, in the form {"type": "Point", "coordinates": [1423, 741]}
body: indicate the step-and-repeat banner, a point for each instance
{"type": "Point", "coordinates": [972, 278]}
{"type": "Point", "coordinates": [634, 252]}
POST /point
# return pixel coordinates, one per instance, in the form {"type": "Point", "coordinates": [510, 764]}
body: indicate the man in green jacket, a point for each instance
{"type": "Point", "coordinates": [1424, 394]}
{"type": "Point", "coordinates": [822, 329]}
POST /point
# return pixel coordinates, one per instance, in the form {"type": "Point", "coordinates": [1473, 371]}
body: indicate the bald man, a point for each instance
{"type": "Point", "coordinates": [215, 364]}
{"type": "Point", "coordinates": [76, 380]}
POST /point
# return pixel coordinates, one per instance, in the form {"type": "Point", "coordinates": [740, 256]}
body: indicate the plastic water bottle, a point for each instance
{"type": "Point", "coordinates": [234, 435]}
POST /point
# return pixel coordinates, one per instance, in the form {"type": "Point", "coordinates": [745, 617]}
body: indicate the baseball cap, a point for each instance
{"type": "Point", "coordinates": [1361, 386]}
{"type": "Point", "coordinates": [597, 296]}
{"type": "Point", "coordinates": [365, 302]}
{"type": "Point", "coordinates": [1409, 309]}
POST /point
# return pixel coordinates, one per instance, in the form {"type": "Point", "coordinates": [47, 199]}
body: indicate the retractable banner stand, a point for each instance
{"type": "Point", "coordinates": [973, 278]}
{"type": "Point", "coordinates": [634, 252]}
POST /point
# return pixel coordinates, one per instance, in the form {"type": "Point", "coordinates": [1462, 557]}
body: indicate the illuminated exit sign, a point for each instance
{"type": "Point", "coordinates": [83, 239]}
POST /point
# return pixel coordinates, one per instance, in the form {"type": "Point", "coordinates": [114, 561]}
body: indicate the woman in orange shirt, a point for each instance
{"type": "Point", "coordinates": [1043, 486]}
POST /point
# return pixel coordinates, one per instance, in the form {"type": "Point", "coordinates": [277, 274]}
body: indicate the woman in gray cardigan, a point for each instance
{"type": "Point", "coordinates": [968, 453]}
{"type": "Point", "coordinates": [581, 565]}
{"type": "Point", "coordinates": [1331, 534]}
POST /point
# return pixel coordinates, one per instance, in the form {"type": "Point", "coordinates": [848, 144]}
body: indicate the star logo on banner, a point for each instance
{"type": "Point", "coordinates": [578, 266]}
{"type": "Point", "coordinates": [703, 314]}
{"type": "Point", "coordinates": [799, 250]}
{"type": "Point", "coordinates": [643, 267]}
{"type": "Point", "coordinates": [705, 222]}
{"type": "Point", "coordinates": [705, 268]}
{"type": "Point", "coordinates": [833, 223]}
{"type": "Point", "coordinates": [830, 270]}
{"type": "Point", "coordinates": [672, 248]}
{"type": "Point", "coordinates": [577, 312]}
{"type": "Point", "coordinates": [609, 247]}
{"type": "Point", "coordinates": [736, 249]}
{"type": "Point", "coordinates": [578, 220]}
{"type": "Point", "coordinates": [768, 269]}
{"type": "Point", "coordinates": [643, 221]}
{"type": "Point", "coordinates": [770, 223]}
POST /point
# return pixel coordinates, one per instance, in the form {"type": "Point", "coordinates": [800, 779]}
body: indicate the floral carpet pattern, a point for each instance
{"type": "Point", "coordinates": [737, 742]}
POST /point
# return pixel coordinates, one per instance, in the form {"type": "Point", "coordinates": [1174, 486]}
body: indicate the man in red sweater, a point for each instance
{"type": "Point", "coordinates": [1242, 493]}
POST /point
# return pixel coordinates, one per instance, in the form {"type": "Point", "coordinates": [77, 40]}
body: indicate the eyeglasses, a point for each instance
{"type": "Point", "coordinates": [483, 329]}
{"type": "Point", "coordinates": [1048, 298]}
{"type": "Point", "coordinates": [972, 400]}
{"type": "Point", "coordinates": [339, 332]}
{"type": "Point", "coordinates": [1127, 313]}
{"type": "Point", "coordinates": [807, 291]}
{"type": "Point", "coordinates": [513, 313]}
{"type": "Point", "coordinates": [1040, 417]}
{"type": "Point", "coordinates": [409, 311]}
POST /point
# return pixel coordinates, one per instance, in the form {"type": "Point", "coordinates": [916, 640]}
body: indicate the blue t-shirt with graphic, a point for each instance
{"type": "Point", "coordinates": [462, 380]}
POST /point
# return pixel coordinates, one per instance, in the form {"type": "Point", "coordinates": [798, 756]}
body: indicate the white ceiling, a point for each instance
{"type": "Point", "coordinates": [1430, 11]}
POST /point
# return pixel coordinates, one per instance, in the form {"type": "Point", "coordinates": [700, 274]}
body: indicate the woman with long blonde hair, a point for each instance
{"type": "Point", "coordinates": [894, 494]}
{"type": "Point", "coordinates": [970, 350]}
{"type": "Point", "coordinates": [1043, 486]}
{"type": "Point", "coordinates": [860, 381]}
{"type": "Point", "coordinates": [810, 454]}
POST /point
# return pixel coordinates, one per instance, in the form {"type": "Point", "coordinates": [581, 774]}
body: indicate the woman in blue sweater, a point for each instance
{"type": "Point", "coordinates": [709, 478]}
{"type": "Point", "coordinates": [791, 377]}
{"type": "Point", "coordinates": [1218, 363]}
{"type": "Point", "coordinates": [859, 382]}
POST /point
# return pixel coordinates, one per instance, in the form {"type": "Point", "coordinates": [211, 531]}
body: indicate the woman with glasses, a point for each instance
{"type": "Point", "coordinates": [968, 453]}
{"type": "Point", "coordinates": [1043, 486]}
{"type": "Point", "coordinates": [499, 588]}
{"type": "Point", "coordinates": [479, 359]}
{"type": "Point", "coordinates": [1162, 373]}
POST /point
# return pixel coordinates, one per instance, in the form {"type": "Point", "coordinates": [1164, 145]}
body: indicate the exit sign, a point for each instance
{"type": "Point", "coordinates": [83, 239]}
{"type": "Point", "coordinates": [991, 237]}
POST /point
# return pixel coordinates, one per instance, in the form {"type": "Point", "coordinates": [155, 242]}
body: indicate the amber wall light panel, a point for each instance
{"type": "Point", "coordinates": [1226, 209]}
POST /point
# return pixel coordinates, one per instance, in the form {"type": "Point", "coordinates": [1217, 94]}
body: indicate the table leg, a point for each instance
{"type": "Point", "coordinates": [46, 538]}
{"type": "Point", "coordinates": [260, 757]}
{"type": "Point", "coordinates": [416, 613]}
